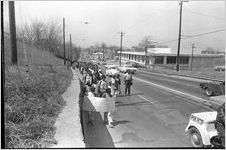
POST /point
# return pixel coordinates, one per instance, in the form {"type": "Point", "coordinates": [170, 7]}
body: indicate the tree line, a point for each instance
{"type": "Point", "coordinates": [46, 35]}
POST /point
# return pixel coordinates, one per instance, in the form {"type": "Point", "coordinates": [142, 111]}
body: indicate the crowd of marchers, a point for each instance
{"type": "Point", "coordinates": [95, 84]}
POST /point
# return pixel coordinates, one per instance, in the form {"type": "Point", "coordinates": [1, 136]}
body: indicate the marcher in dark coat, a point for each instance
{"type": "Point", "coordinates": [128, 82]}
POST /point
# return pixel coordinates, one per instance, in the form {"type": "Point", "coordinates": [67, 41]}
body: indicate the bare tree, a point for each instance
{"type": "Point", "coordinates": [45, 35]}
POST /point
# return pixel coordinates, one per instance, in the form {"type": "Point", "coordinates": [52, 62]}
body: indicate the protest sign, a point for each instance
{"type": "Point", "coordinates": [98, 104]}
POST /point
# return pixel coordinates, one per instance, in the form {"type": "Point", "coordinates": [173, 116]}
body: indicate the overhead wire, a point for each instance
{"type": "Point", "coordinates": [193, 36]}
{"type": "Point", "coordinates": [197, 13]}
{"type": "Point", "coordinates": [150, 19]}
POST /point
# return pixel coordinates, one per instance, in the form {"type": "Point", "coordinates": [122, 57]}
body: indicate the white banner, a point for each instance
{"type": "Point", "coordinates": [98, 104]}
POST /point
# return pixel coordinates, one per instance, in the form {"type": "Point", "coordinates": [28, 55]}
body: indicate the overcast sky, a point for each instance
{"type": "Point", "coordinates": [135, 18]}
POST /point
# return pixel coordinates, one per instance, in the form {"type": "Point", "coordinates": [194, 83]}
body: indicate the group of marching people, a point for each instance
{"type": "Point", "coordinates": [95, 84]}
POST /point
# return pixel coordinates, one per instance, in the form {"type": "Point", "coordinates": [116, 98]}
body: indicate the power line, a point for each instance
{"type": "Point", "coordinates": [192, 36]}
{"type": "Point", "coordinates": [198, 29]}
{"type": "Point", "coordinates": [204, 33]}
{"type": "Point", "coordinates": [149, 19]}
{"type": "Point", "coordinates": [197, 13]}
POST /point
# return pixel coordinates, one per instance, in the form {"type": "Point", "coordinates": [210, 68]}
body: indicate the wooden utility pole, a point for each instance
{"type": "Point", "coordinates": [2, 70]}
{"type": "Point", "coordinates": [120, 59]}
{"type": "Point", "coordinates": [70, 48]}
{"type": "Point", "coordinates": [146, 51]}
{"type": "Point", "coordinates": [179, 37]}
{"type": "Point", "coordinates": [12, 27]}
{"type": "Point", "coordinates": [103, 46]}
{"type": "Point", "coordinates": [192, 52]}
{"type": "Point", "coordinates": [64, 41]}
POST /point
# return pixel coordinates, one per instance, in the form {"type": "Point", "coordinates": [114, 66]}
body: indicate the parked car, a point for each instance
{"type": "Point", "coordinates": [112, 70]}
{"type": "Point", "coordinates": [213, 88]}
{"type": "Point", "coordinates": [137, 65]}
{"type": "Point", "coordinates": [124, 69]}
{"type": "Point", "coordinates": [219, 68]}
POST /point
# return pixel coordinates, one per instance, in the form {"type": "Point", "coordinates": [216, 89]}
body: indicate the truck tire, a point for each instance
{"type": "Point", "coordinates": [208, 91]}
{"type": "Point", "coordinates": [195, 137]}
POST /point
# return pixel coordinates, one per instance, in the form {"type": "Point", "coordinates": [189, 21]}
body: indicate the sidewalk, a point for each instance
{"type": "Point", "coordinates": [68, 125]}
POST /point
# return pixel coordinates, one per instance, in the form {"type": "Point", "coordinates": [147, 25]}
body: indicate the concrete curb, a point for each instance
{"type": "Point", "coordinates": [68, 125]}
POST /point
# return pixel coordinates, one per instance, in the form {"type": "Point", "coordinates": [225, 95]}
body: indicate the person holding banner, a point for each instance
{"type": "Point", "coordinates": [108, 115]}
{"type": "Point", "coordinates": [112, 85]}
{"type": "Point", "coordinates": [103, 85]}
{"type": "Point", "coordinates": [90, 113]}
{"type": "Point", "coordinates": [117, 84]}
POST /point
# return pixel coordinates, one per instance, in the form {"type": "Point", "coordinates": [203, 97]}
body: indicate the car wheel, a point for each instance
{"type": "Point", "coordinates": [195, 138]}
{"type": "Point", "coordinates": [208, 91]}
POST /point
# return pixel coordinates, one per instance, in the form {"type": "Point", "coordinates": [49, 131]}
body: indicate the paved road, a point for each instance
{"type": "Point", "coordinates": [150, 117]}
{"type": "Point", "coordinates": [190, 86]}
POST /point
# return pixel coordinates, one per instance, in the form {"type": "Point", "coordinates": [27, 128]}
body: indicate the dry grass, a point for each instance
{"type": "Point", "coordinates": [32, 102]}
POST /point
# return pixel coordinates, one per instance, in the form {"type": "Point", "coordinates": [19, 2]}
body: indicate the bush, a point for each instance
{"type": "Point", "coordinates": [33, 100]}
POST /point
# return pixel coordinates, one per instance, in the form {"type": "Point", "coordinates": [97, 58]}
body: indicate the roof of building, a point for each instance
{"type": "Point", "coordinates": [98, 53]}
{"type": "Point", "coordinates": [168, 54]}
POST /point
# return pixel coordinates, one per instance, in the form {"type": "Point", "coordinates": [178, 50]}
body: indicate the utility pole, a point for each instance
{"type": "Point", "coordinates": [120, 59]}
{"type": "Point", "coordinates": [2, 67]}
{"type": "Point", "coordinates": [179, 37]}
{"type": "Point", "coordinates": [64, 40]}
{"type": "Point", "coordinates": [193, 46]}
{"type": "Point", "coordinates": [103, 46]}
{"type": "Point", "coordinates": [70, 48]}
{"type": "Point", "coordinates": [12, 25]}
{"type": "Point", "coordinates": [146, 51]}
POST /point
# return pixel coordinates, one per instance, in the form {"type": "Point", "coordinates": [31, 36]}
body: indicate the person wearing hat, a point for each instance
{"type": "Point", "coordinates": [128, 82]}
{"type": "Point", "coordinates": [117, 84]}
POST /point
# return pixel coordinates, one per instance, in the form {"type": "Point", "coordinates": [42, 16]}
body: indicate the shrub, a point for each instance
{"type": "Point", "coordinates": [33, 100]}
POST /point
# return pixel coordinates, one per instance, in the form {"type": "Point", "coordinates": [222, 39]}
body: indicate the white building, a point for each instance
{"type": "Point", "coordinates": [98, 55]}
{"type": "Point", "coordinates": [168, 60]}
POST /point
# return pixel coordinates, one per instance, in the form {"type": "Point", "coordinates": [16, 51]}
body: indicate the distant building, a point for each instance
{"type": "Point", "coordinates": [168, 60]}
{"type": "Point", "coordinates": [211, 51]}
{"type": "Point", "coordinates": [159, 50]}
{"type": "Point", "coordinates": [98, 55]}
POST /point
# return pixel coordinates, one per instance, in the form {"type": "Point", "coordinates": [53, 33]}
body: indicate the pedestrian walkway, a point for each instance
{"type": "Point", "coordinates": [68, 125]}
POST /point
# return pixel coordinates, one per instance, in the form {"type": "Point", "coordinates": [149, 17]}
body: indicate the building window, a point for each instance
{"type": "Point", "coordinates": [143, 59]}
{"type": "Point", "coordinates": [184, 60]}
{"type": "Point", "coordinates": [171, 59]}
{"type": "Point", "coordinates": [159, 59]}
{"type": "Point", "coordinates": [138, 58]}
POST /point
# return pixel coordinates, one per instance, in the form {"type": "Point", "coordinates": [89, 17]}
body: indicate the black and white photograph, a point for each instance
{"type": "Point", "coordinates": [146, 74]}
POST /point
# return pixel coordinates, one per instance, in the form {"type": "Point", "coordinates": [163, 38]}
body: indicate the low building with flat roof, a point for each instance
{"type": "Point", "coordinates": [168, 60]}
{"type": "Point", "coordinates": [98, 55]}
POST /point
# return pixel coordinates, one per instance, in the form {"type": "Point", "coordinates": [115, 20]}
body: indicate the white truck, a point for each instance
{"type": "Point", "coordinates": [201, 126]}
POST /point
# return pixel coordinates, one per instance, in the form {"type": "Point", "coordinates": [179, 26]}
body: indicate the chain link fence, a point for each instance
{"type": "Point", "coordinates": [29, 54]}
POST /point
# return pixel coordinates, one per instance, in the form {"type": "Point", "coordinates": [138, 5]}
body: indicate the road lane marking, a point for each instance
{"type": "Point", "coordinates": [176, 76]}
{"type": "Point", "coordinates": [172, 90]}
{"type": "Point", "coordinates": [147, 99]}
{"type": "Point", "coordinates": [168, 79]}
